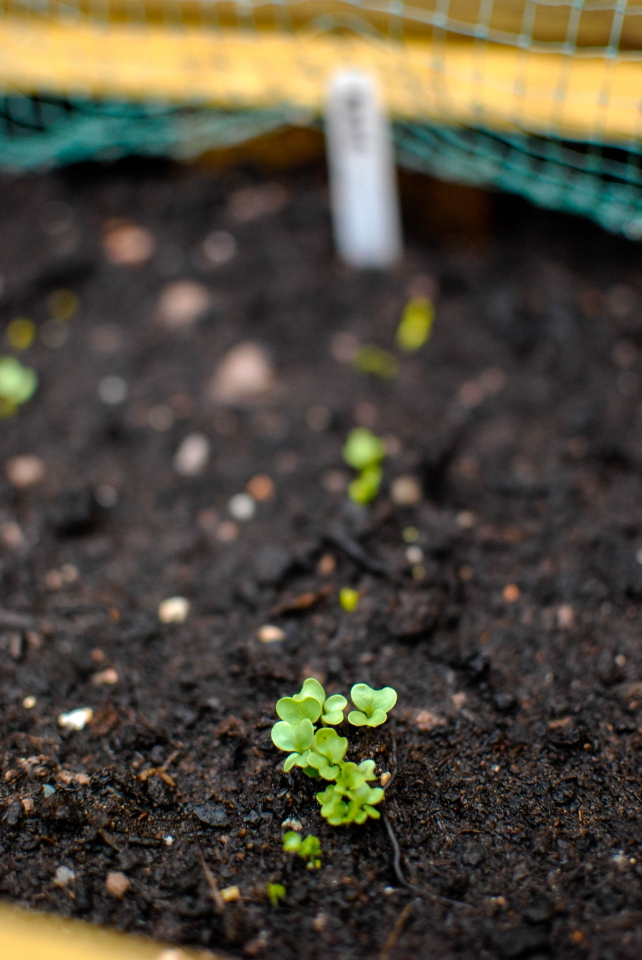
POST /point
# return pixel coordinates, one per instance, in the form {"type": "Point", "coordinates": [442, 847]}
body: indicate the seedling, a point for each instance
{"type": "Point", "coordinates": [348, 797]}
{"type": "Point", "coordinates": [275, 892]}
{"type": "Point", "coordinates": [17, 385]}
{"type": "Point", "coordinates": [349, 599]}
{"type": "Point", "coordinates": [309, 849]}
{"type": "Point", "coordinates": [364, 451]}
{"type": "Point", "coordinates": [376, 361]}
{"type": "Point", "coordinates": [373, 705]}
{"type": "Point", "coordinates": [416, 324]}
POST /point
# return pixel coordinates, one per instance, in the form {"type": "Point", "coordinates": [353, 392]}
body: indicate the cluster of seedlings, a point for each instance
{"type": "Point", "coordinates": [319, 750]}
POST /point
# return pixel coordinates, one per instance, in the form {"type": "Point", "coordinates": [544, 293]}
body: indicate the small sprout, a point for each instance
{"type": "Point", "coordinates": [364, 451]}
{"type": "Point", "coordinates": [351, 799]}
{"type": "Point", "coordinates": [329, 750]}
{"type": "Point", "coordinates": [20, 333]}
{"type": "Point", "coordinates": [333, 710]}
{"type": "Point", "coordinates": [17, 385]}
{"type": "Point", "coordinates": [309, 849]}
{"type": "Point", "coordinates": [372, 705]}
{"type": "Point", "coordinates": [275, 892]}
{"type": "Point", "coordinates": [349, 599]}
{"type": "Point", "coordinates": [295, 739]}
{"type": "Point", "coordinates": [416, 324]}
{"type": "Point", "coordinates": [373, 360]}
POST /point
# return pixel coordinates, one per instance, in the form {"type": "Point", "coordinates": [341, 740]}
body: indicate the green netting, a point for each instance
{"type": "Point", "coordinates": [598, 176]}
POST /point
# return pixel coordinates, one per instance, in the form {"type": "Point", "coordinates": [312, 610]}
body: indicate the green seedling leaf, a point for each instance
{"type": "Point", "coordinates": [292, 842]}
{"type": "Point", "coordinates": [416, 324]}
{"type": "Point", "coordinates": [349, 599]}
{"type": "Point", "coordinates": [367, 768]}
{"type": "Point", "coordinates": [276, 893]}
{"type": "Point", "coordinates": [294, 709]}
{"type": "Point", "coordinates": [17, 385]}
{"type": "Point", "coordinates": [333, 709]}
{"type": "Point", "coordinates": [373, 705]}
{"type": "Point", "coordinates": [363, 449]}
{"type": "Point", "coordinates": [328, 752]}
{"type": "Point", "coordinates": [288, 736]}
{"type": "Point", "coordinates": [364, 488]}
{"type": "Point", "coordinates": [311, 688]}
{"type": "Point", "coordinates": [376, 361]}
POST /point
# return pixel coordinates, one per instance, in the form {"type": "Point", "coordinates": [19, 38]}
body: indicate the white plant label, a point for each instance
{"type": "Point", "coordinates": [363, 185]}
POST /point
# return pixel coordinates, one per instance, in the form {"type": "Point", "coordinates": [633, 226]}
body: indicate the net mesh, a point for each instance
{"type": "Point", "coordinates": [542, 98]}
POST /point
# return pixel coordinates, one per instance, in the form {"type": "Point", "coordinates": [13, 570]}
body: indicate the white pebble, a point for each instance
{"type": "Point", "coordinates": [29, 702]}
{"type": "Point", "coordinates": [25, 471]}
{"type": "Point", "coordinates": [75, 719]}
{"type": "Point", "coordinates": [406, 491]}
{"type": "Point", "coordinates": [191, 457]}
{"type": "Point", "coordinates": [242, 506]}
{"type": "Point", "coordinates": [112, 390]}
{"type": "Point", "coordinates": [169, 840]}
{"type": "Point", "coordinates": [182, 303]}
{"type": "Point", "coordinates": [268, 633]}
{"type": "Point", "coordinates": [243, 375]}
{"type": "Point", "coordinates": [108, 676]}
{"type": "Point", "coordinates": [173, 610]}
{"type": "Point", "coordinates": [63, 877]}
{"type": "Point", "coordinates": [414, 554]}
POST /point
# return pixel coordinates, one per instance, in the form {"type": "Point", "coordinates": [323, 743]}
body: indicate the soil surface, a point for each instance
{"type": "Point", "coordinates": [504, 607]}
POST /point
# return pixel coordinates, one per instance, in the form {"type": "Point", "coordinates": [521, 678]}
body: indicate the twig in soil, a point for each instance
{"type": "Point", "coordinates": [219, 902]}
{"type": "Point", "coordinates": [303, 602]}
{"type": "Point", "coordinates": [396, 931]}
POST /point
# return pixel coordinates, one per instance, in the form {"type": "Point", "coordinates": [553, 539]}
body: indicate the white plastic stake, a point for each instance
{"type": "Point", "coordinates": [363, 185]}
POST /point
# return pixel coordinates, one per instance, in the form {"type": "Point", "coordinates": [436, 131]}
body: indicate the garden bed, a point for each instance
{"type": "Point", "coordinates": [503, 607]}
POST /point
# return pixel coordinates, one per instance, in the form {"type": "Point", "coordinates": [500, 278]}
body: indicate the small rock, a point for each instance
{"type": "Point", "coordinates": [192, 455]}
{"type": "Point", "coordinates": [48, 790]}
{"type": "Point", "coordinates": [230, 894]}
{"type": "Point", "coordinates": [565, 616]}
{"type": "Point", "coordinates": [242, 507]}
{"type": "Point", "coordinates": [28, 805]}
{"type": "Point", "coordinates": [426, 721]}
{"type": "Point", "coordinates": [117, 884]}
{"type": "Point", "coordinates": [13, 814]}
{"type": "Point", "coordinates": [25, 471]}
{"type": "Point", "coordinates": [292, 824]}
{"type": "Point", "coordinates": [108, 676]}
{"type": "Point", "coordinates": [252, 817]}
{"type": "Point", "coordinates": [182, 303]}
{"type": "Point", "coordinates": [173, 610]}
{"type": "Point", "coordinates": [320, 922]}
{"type": "Point", "coordinates": [113, 390]}
{"type": "Point", "coordinates": [244, 375]}
{"type": "Point", "coordinates": [212, 814]}
{"type": "Point", "coordinates": [385, 777]}
{"type": "Point", "coordinates": [126, 244]}
{"type": "Point", "coordinates": [12, 535]}
{"type": "Point", "coordinates": [474, 855]}
{"type": "Point", "coordinates": [269, 633]}
{"type": "Point", "coordinates": [219, 247]}
{"type": "Point", "coordinates": [459, 700]}
{"type": "Point", "coordinates": [227, 531]}
{"type": "Point", "coordinates": [75, 719]}
{"type": "Point", "coordinates": [406, 491]}
{"type": "Point", "coordinates": [63, 877]}
{"type": "Point", "coordinates": [261, 487]}
{"type": "Point", "coordinates": [250, 203]}
{"type": "Point", "coordinates": [510, 593]}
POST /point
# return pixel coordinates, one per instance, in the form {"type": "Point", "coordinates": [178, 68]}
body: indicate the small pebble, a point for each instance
{"type": "Point", "coordinates": [113, 390]}
{"type": "Point", "coordinates": [244, 375]}
{"type": "Point", "coordinates": [565, 616]}
{"type": "Point", "coordinates": [426, 721]}
{"type": "Point", "coordinates": [230, 894]}
{"type": "Point", "coordinates": [12, 535]}
{"type": "Point", "coordinates": [25, 471]}
{"type": "Point", "coordinates": [117, 884]}
{"type": "Point", "coordinates": [326, 565]}
{"type": "Point", "coordinates": [250, 203]}
{"type": "Point", "coordinates": [465, 519]}
{"type": "Point", "coordinates": [127, 245]}
{"type": "Point", "coordinates": [192, 455]}
{"type": "Point", "coordinates": [261, 487]}
{"type": "Point", "coordinates": [48, 790]}
{"type": "Point", "coordinates": [459, 700]}
{"type": "Point", "coordinates": [29, 702]}
{"type": "Point", "coordinates": [106, 496]}
{"type": "Point", "coordinates": [510, 593]}
{"type": "Point", "coordinates": [227, 531]}
{"type": "Point", "coordinates": [385, 776]}
{"type": "Point", "coordinates": [292, 824]}
{"type": "Point", "coordinates": [219, 247]}
{"type": "Point", "coordinates": [108, 676]}
{"type": "Point", "coordinates": [414, 554]}
{"type": "Point", "coordinates": [268, 633]}
{"type": "Point", "coordinates": [160, 417]}
{"type": "Point", "coordinates": [173, 610]}
{"type": "Point", "coordinates": [320, 922]}
{"type": "Point", "coordinates": [75, 719]}
{"type": "Point", "coordinates": [63, 877]}
{"type": "Point", "coordinates": [168, 840]}
{"type": "Point", "coordinates": [182, 303]}
{"type": "Point", "coordinates": [406, 491]}
{"type": "Point", "coordinates": [28, 805]}
{"type": "Point", "coordinates": [242, 507]}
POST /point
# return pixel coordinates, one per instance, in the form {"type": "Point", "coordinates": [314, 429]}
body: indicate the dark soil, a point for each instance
{"type": "Point", "coordinates": [517, 799]}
